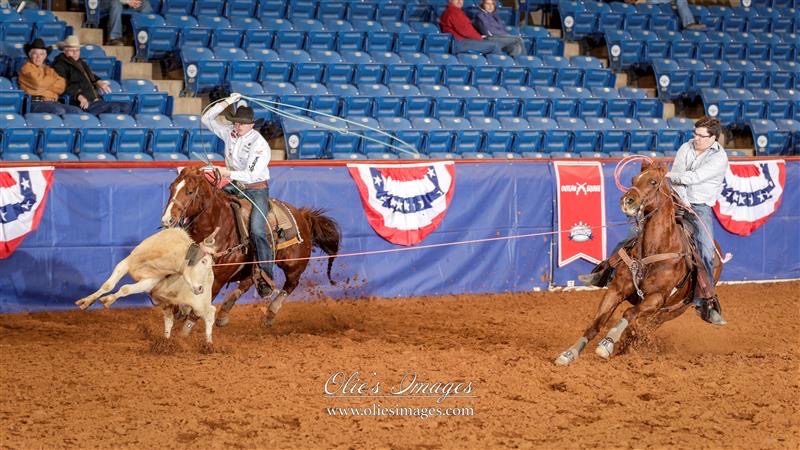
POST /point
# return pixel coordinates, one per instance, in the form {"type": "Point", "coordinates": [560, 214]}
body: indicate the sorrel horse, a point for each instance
{"type": "Point", "coordinates": [656, 277]}
{"type": "Point", "coordinates": [199, 207]}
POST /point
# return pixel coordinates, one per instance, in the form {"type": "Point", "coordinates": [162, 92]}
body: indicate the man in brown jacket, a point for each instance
{"type": "Point", "coordinates": [42, 83]}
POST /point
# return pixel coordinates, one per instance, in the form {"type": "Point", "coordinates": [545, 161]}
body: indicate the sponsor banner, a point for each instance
{"type": "Point", "coordinates": [751, 193]}
{"type": "Point", "coordinates": [404, 203]}
{"type": "Point", "coordinates": [581, 211]}
{"type": "Point", "coordinates": [23, 194]}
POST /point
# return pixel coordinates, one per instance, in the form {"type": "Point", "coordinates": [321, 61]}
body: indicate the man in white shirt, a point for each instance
{"type": "Point", "coordinates": [697, 174]}
{"type": "Point", "coordinates": [247, 157]}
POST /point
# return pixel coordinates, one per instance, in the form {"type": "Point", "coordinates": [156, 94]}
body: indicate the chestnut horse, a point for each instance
{"type": "Point", "coordinates": [656, 278]}
{"type": "Point", "coordinates": [199, 207]}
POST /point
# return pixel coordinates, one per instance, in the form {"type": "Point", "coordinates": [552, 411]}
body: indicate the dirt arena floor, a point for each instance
{"type": "Point", "coordinates": [101, 379]}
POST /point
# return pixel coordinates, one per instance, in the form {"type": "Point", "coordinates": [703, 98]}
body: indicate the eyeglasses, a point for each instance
{"type": "Point", "coordinates": [701, 135]}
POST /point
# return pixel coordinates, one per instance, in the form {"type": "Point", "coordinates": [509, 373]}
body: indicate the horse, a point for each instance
{"type": "Point", "coordinates": [659, 279]}
{"type": "Point", "coordinates": [199, 207]}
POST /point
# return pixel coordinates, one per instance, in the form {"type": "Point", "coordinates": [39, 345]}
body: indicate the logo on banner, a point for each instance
{"type": "Point", "coordinates": [404, 203]}
{"type": "Point", "coordinates": [23, 193]}
{"type": "Point", "coordinates": [581, 210]}
{"type": "Point", "coordinates": [751, 193]}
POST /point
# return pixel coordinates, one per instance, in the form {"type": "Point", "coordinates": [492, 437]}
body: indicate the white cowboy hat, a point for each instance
{"type": "Point", "coordinates": [71, 41]}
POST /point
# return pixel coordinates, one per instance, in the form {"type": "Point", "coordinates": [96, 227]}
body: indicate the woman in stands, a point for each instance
{"type": "Point", "coordinates": [42, 83]}
{"type": "Point", "coordinates": [85, 89]}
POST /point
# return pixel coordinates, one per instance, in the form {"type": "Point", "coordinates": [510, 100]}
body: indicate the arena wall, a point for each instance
{"type": "Point", "coordinates": [93, 218]}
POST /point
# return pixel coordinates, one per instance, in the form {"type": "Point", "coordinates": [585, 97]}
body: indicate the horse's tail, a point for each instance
{"type": "Point", "coordinates": [325, 234]}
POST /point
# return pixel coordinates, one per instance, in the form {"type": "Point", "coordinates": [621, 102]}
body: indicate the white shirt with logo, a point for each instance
{"type": "Point", "coordinates": [246, 156]}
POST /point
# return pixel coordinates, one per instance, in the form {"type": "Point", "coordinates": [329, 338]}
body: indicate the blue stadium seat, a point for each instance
{"type": "Point", "coordinates": [19, 140]}
{"type": "Point", "coordinates": [278, 88]}
{"type": "Point", "coordinates": [415, 58]}
{"type": "Point", "coordinates": [358, 11]}
{"type": "Point", "coordinates": [128, 137]}
{"type": "Point", "coordinates": [305, 141]}
{"type": "Point", "coordinates": [202, 71]}
{"type": "Point", "coordinates": [197, 138]}
{"type": "Point", "coordinates": [332, 11]}
{"type": "Point", "coordinates": [339, 73]}
{"type": "Point", "coordinates": [350, 40]}
{"type": "Point", "coordinates": [54, 137]}
{"type": "Point", "coordinates": [165, 142]}
{"type": "Point", "coordinates": [610, 139]}
{"type": "Point", "coordinates": [343, 89]}
{"type": "Point", "coordinates": [93, 139]}
{"type": "Point", "coordinates": [337, 25]}
{"type": "Point", "coordinates": [409, 42]}
{"type": "Point", "coordinates": [10, 97]}
{"type": "Point", "coordinates": [437, 43]}
{"type": "Point", "coordinates": [148, 97]}
{"type": "Point", "coordinates": [355, 57]}
{"type": "Point", "coordinates": [388, 107]}
{"type": "Point", "coordinates": [302, 9]}
{"type": "Point", "coordinates": [190, 33]}
{"type": "Point", "coordinates": [154, 38]}
{"type": "Point", "coordinates": [207, 8]}
{"type": "Point", "coordinates": [357, 105]}
{"type": "Point", "coordinates": [768, 139]}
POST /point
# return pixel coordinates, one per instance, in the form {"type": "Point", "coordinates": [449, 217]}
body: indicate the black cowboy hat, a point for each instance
{"type": "Point", "coordinates": [36, 44]}
{"type": "Point", "coordinates": [243, 114]}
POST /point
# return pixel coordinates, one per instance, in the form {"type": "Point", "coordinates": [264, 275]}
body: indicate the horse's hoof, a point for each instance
{"type": "Point", "coordinates": [106, 301]}
{"type": "Point", "coordinates": [222, 321]}
{"type": "Point", "coordinates": [187, 328]}
{"type": "Point", "coordinates": [605, 348]}
{"type": "Point", "coordinates": [84, 303]}
{"type": "Point", "coordinates": [566, 358]}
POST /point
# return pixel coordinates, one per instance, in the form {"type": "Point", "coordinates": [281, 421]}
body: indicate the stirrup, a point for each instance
{"type": "Point", "coordinates": [265, 285]}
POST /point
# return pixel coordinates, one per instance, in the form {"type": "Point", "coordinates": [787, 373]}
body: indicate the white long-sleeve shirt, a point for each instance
{"type": "Point", "coordinates": [248, 156]}
{"type": "Point", "coordinates": [698, 178]}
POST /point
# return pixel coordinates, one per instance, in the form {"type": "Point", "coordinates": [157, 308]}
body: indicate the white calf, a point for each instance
{"type": "Point", "coordinates": [173, 269]}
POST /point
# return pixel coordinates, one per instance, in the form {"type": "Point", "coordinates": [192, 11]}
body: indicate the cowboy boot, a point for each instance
{"type": "Point", "coordinates": [264, 284]}
{"type": "Point", "coordinates": [710, 310]}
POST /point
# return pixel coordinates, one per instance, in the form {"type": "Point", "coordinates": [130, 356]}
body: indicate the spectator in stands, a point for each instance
{"type": "Point", "coordinates": [84, 88]}
{"type": "Point", "coordinates": [490, 26]}
{"type": "Point", "coordinates": [41, 82]}
{"type": "Point", "coordinates": [247, 157]}
{"type": "Point", "coordinates": [115, 8]}
{"type": "Point", "coordinates": [465, 37]}
{"type": "Point", "coordinates": [684, 12]}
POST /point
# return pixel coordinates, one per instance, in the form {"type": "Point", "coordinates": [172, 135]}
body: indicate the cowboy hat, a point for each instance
{"type": "Point", "coordinates": [243, 114]}
{"type": "Point", "coordinates": [71, 41]}
{"type": "Point", "coordinates": [36, 44]}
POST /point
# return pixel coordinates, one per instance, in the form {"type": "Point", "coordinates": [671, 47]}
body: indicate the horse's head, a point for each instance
{"type": "Point", "coordinates": [645, 193]}
{"type": "Point", "coordinates": [188, 196]}
{"type": "Point", "coordinates": [198, 266]}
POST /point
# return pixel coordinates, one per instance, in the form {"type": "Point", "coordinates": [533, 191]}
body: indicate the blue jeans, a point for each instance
{"type": "Point", "coordinates": [704, 240]}
{"type": "Point", "coordinates": [54, 108]}
{"type": "Point", "coordinates": [114, 8]}
{"type": "Point", "coordinates": [510, 44]}
{"type": "Point", "coordinates": [474, 45]}
{"type": "Point", "coordinates": [258, 228]}
{"type": "Point", "coordinates": [101, 106]}
{"type": "Point", "coordinates": [685, 13]}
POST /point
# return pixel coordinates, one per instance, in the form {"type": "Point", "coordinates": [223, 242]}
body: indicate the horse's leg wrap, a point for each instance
{"type": "Point", "coordinates": [227, 305]}
{"type": "Point", "coordinates": [168, 321]}
{"type": "Point", "coordinates": [568, 357]}
{"type": "Point", "coordinates": [274, 307]}
{"type": "Point", "coordinates": [606, 346]}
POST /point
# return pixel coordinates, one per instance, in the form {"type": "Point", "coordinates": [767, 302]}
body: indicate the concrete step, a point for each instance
{"type": "Point", "coordinates": [173, 87]}
{"type": "Point", "coordinates": [669, 110]}
{"type": "Point", "coordinates": [571, 49]}
{"type": "Point", "coordinates": [123, 53]}
{"type": "Point", "coordinates": [138, 70]}
{"type": "Point", "coordinates": [90, 36]}
{"type": "Point", "coordinates": [622, 80]}
{"type": "Point", "coordinates": [73, 19]}
{"type": "Point", "coordinates": [188, 105]}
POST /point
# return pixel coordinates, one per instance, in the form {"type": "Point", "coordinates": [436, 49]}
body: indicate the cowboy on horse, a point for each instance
{"type": "Point", "coordinates": [696, 175]}
{"type": "Point", "coordinates": [247, 157]}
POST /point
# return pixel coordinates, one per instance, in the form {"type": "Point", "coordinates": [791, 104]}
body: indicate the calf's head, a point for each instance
{"type": "Point", "coordinates": [199, 264]}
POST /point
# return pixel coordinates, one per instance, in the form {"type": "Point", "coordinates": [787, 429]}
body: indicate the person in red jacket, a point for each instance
{"type": "Point", "coordinates": [465, 38]}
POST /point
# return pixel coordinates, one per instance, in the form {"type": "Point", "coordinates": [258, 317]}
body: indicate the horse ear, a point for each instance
{"type": "Point", "coordinates": [646, 163]}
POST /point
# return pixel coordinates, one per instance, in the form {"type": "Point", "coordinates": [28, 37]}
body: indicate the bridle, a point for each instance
{"type": "Point", "coordinates": [641, 218]}
{"type": "Point", "coordinates": [183, 207]}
